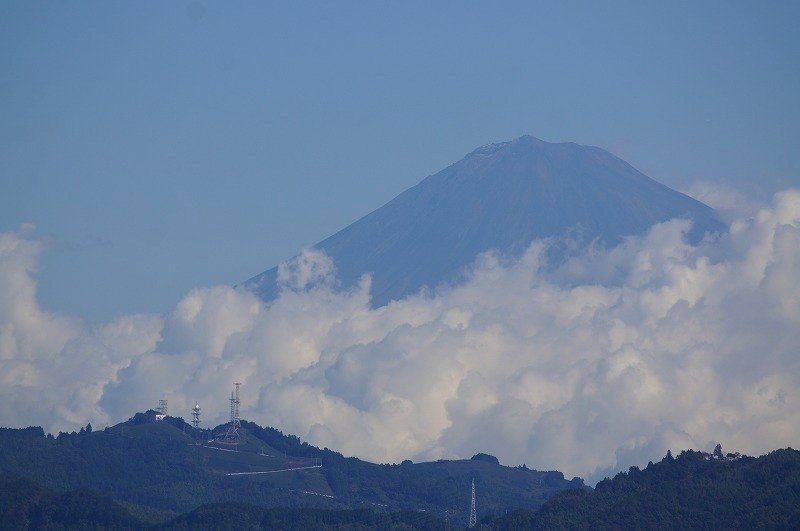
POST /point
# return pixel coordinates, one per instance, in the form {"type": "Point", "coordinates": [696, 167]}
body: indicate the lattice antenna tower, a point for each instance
{"type": "Point", "coordinates": [196, 416]}
{"type": "Point", "coordinates": [473, 517]}
{"type": "Point", "coordinates": [232, 435]}
{"type": "Point", "coordinates": [162, 407]}
{"type": "Point", "coordinates": [235, 405]}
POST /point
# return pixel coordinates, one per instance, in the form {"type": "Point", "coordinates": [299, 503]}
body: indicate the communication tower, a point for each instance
{"type": "Point", "coordinates": [473, 517]}
{"type": "Point", "coordinates": [232, 436]}
{"type": "Point", "coordinates": [161, 410]}
{"type": "Point", "coordinates": [196, 416]}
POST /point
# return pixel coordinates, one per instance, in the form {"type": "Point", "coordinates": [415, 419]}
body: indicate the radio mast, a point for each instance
{"type": "Point", "coordinates": [232, 436]}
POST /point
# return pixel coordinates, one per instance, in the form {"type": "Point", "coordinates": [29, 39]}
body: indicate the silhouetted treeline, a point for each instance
{"type": "Point", "coordinates": [26, 505]}
{"type": "Point", "coordinates": [442, 484]}
{"type": "Point", "coordinates": [688, 492]}
{"type": "Point", "coordinates": [694, 490]}
{"type": "Point", "coordinates": [158, 465]}
{"type": "Point", "coordinates": [239, 516]}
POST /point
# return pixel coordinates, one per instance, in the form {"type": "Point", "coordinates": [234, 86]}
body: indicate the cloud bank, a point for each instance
{"type": "Point", "coordinates": [604, 362]}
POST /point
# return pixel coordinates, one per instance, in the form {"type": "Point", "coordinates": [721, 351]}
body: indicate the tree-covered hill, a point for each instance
{"type": "Point", "coordinates": [239, 516]}
{"type": "Point", "coordinates": [154, 465]}
{"type": "Point", "coordinates": [167, 466]}
{"type": "Point", "coordinates": [434, 486]}
{"type": "Point", "coordinates": [141, 474]}
{"type": "Point", "coordinates": [26, 505]}
{"type": "Point", "coordinates": [694, 490]}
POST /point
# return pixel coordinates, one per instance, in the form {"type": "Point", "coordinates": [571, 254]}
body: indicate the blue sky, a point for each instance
{"type": "Point", "coordinates": [162, 146]}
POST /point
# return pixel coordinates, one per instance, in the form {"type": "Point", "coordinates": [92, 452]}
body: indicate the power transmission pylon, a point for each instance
{"type": "Point", "coordinates": [473, 516]}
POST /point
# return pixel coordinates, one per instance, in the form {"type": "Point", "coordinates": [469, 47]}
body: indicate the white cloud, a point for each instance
{"type": "Point", "coordinates": [53, 369]}
{"type": "Point", "coordinates": [726, 200]}
{"type": "Point", "coordinates": [606, 362]}
{"type": "Point", "coordinates": [310, 268]}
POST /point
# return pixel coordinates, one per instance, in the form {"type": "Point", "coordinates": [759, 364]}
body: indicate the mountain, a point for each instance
{"type": "Point", "coordinates": [99, 474]}
{"type": "Point", "coordinates": [156, 468]}
{"type": "Point", "coordinates": [501, 197]}
{"type": "Point", "coordinates": [693, 491]}
{"type": "Point", "coordinates": [26, 505]}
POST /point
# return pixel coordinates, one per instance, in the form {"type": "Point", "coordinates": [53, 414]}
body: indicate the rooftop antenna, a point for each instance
{"type": "Point", "coordinates": [473, 518]}
{"type": "Point", "coordinates": [196, 416]}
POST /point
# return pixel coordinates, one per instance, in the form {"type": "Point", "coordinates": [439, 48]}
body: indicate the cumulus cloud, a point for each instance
{"type": "Point", "coordinates": [729, 202]}
{"type": "Point", "coordinates": [53, 369]}
{"type": "Point", "coordinates": [603, 362]}
{"type": "Point", "coordinates": [310, 268]}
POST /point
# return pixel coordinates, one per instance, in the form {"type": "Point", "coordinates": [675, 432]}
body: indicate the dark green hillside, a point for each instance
{"type": "Point", "coordinates": [690, 492]}
{"type": "Point", "coordinates": [147, 471]}
{"type": "Point", "coordinates": [238, 516]}
{"type": "Point", "coordinates": [26, 505]}
{"type": "Point", "coordinates": [155, 465]}
{"type": "Point", "coordinates": [435, 486]}
{"type": "Point", "coordinates": [165, 466]}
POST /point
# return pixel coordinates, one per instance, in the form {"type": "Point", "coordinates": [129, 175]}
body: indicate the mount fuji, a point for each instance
{"type": "Point", "coordinates": [500, 197]}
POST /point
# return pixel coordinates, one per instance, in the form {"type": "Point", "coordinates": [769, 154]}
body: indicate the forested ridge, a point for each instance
{"type": "Point", "coordinates": [160, 475]}
{"type": "Point", "coordinates": [692, 491]}
{"type": "Point", "coordinates": [167, 468]}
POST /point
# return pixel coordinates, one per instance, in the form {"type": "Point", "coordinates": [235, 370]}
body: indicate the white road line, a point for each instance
{"type": "Point", "coordinates": [220, 449]}
{"type": "Point", "coordinates": [317, 493]}
{"type": "Point", "coordinates": [272, 471]}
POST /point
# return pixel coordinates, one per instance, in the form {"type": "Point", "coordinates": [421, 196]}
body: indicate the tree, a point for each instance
{"type": "Point", "coordinates": [718, 451]}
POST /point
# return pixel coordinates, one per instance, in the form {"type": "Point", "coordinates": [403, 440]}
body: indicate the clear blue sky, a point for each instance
{"type": "Point", "coordinates": [160, 146]}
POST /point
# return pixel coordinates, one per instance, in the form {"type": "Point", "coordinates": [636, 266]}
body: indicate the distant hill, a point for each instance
{"type": "Point", "coordinates": [141, 474]}
{"type": "Point", "coordinates": [26, 505]}
{"type": "Point", "coordinates": [167, 466]}
{"type": "Point", "coordinates": [692, 491]}
{"type": "Point", "coordinates": [239, 516]}
{"type": "Point", "coordinates": [502, 197]}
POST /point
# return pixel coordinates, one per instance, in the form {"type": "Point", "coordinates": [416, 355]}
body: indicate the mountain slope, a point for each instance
{"type": "Point", "coordinates": [500, 196]}
{"type": "Point", "coordinates": [692, 491]}
{"type": "Point", "coordinates": [168, 466]}
{"type": "Point", "coordinates": [26, 505]}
